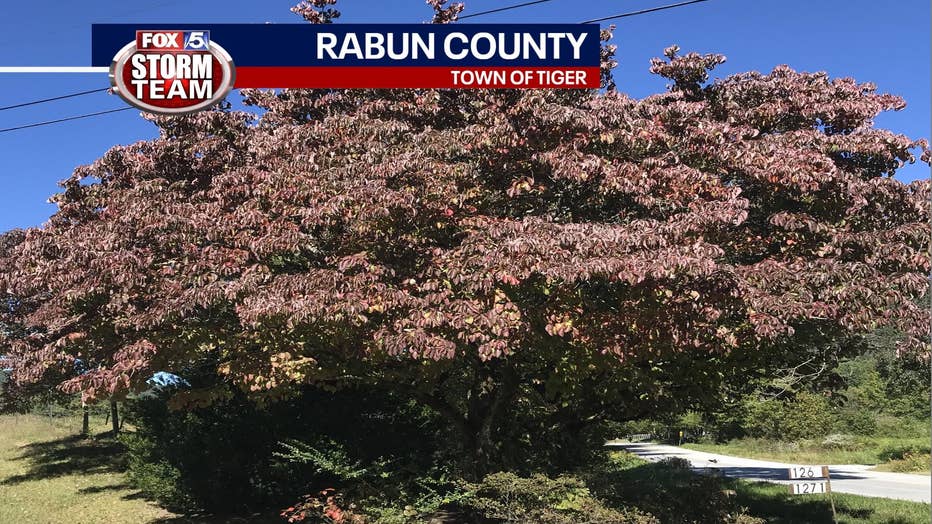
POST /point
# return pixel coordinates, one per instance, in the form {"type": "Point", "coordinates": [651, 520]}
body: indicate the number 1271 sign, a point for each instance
{"type": "Point", "coordinates": [812, 477]}
{"type": "Point", "coordinates": [809, 488]}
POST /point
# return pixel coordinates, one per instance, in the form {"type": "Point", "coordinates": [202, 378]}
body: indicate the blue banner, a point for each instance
{"type": "Point", "coordinates": [385, 45]}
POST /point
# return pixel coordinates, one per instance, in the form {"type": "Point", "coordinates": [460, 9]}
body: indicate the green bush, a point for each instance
{"type": "Point", "coordinates": [806, 416]}
{"type": "Point", "coordinates": [690, 419]}
{"type": "Point", "coordinates": [325, 457]}
{"type": "Point", "coordinates": [669, 490]}
{"type": "Point", "coordinates": [762, 418]}
{"type": "Point", "coordinates": [158, 479]}
{"type": "Point", "coordinates": [903, 450]}
{"type": "Point", "coordinates": [234, 456]}
{"type": "Point", "coordinates": [509, 498]}
{"type": "Point", "coordinates": [858, 422]}
{"type": "Point", "coordinates": [900, 427]}
{"type": "Point", "coordinates": [910, 463]}
{"type": "Point", "coordinates": [911, 406]}
{"type": "Point", "coordinates": [676, 463]}
{"type": "Point", "coordinates": [865, 391]}
{"type": "Point", "coordinates": [216, 459]}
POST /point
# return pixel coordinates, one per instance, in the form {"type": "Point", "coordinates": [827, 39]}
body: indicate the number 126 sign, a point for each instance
{"type": "Point", "coordinates": [808, 472]}
{"type": "Point", "coordinates": [812, 475]}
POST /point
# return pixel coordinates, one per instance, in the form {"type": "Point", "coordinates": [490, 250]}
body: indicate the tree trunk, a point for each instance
{"type": "Point", "coordinates": [86, 420]}
{"type": "Point", "coordinates": [114, 417]}
{"type": "Point", "coordinates": [484, 418]}
{"type": "Point", "coordinates": [477, 424]}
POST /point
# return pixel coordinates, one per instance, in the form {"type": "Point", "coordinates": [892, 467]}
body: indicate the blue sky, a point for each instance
{"type": "Point", "coordinates": [866, 39]}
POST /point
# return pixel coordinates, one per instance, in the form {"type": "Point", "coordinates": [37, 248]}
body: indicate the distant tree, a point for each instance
{"type": "Point", "coordinates": [554, 257]}
{"type": "Point", "coordinates": [9, 304]}
{"type": "Point", "coordinates": [904, 381]}
{"type": "Point", "coordinates": [10, 315]}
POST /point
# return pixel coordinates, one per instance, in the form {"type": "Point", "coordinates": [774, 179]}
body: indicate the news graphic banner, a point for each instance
{"type": "Point", "coordinates": [172, 68]}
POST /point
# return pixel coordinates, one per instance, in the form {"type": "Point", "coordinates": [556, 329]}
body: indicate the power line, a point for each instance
{"type": "Point", "coordinates": [77, 117]}
{"type": "Point", "coordinates": [506, 8]}
{"type": "Point", "coordinates": [500, 9]}
{"type": "Point", "coordinates": [603, 19]}
{"type": "Point", "coordinates": [642, 11]}
{"type": "Point", "coordinates": [97, 19]}
{"type": "Point", "coordinates": [52, 99]}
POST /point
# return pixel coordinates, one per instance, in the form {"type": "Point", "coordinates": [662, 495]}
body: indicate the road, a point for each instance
{"type": "Point", "coordinates": [854, 479]}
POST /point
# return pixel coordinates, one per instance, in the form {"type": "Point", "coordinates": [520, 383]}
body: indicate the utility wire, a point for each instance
{"type": "Point", "coordinates": [642, 11]}
{"type": "Point", "coordinates": [164, 3]}
{"type": "Point", "coordinates": [506, 8]}
{"type": "Point", "coordinates": [603, 19]}
{"type": "Point", "coordinates": [77, 117]}
{"type": "Point", "coordinates": [62, 97]}
{"type": "Point", "coordinates": [114, 19]}
{"type": "Point", "coordinates": [500, 9]}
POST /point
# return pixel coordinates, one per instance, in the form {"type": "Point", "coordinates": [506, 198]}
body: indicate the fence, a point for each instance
{"type": "Point", "coordinates": [670, 434]}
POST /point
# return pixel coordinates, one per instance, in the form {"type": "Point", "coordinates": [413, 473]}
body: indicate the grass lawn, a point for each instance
{"type": "Point", "coordinates": [772, 503]}
{"type": "Point", "coordinates": [640, 481]}
{"type": "Point", "coordinates": [50, 475]}
{"type": "Point", "coordinates": [885, 451]}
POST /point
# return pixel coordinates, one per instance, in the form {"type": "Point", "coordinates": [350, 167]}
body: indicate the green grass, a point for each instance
{"type": "Point", "coordinates": [911, 463]}
{"type": "Point", "coordinates": [859, 450]}
{"type": "Point", "coordinates": [640, 481]}
{"type": "Point", "coordinates": [50, 475]}
{"type": "Point", "coordinates": [773, 503]}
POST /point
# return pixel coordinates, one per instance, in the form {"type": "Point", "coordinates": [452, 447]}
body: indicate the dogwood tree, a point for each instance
{"type": "Point", "coordinates": [580, 254]}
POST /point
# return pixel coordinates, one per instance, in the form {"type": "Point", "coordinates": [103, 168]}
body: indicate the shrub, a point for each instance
{"type": "Point", "coordinates": [323, 458]}
{"type": "Point", "coordinates": [911, 406]}
{"type": "Point", "coordinates": [326, 506]}
{"type": "Point", "coordinates": [215, 459]}
{"type": "Point", "coordinates": [839, 441]}
{"type": "Point", "coordinates": [158, 479]}
{"type": "Point", "coordinates": [807, 416]}
{"type": "Point", "coordinates": [690, 419]}
{"type": "Point", "coordinates": [858, 422]}
{"type": "Point", "coordinates": [899, 427]}
{"type": "Point", "coordinates": [901, 451]}
{"type": "Point", "coordinates": [669, 490]}
{"type": "Point", "coordinates": [762, 418]}
{"type": "Point", "coordinates": [235, 456]}
{"type": "Point", "coordinates": [676, 463]}
{"type": "Point", "coordinates": [910, 463]}
{"type": "Point", "coordinates": [509, 498]}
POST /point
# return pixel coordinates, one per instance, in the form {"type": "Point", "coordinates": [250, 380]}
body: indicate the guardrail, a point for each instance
{"type": "Point", "coordinates": [669, 434]}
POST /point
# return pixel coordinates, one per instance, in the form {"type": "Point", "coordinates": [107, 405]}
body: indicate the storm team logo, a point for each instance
{"type": "Point", "coordinates": [172, 72]}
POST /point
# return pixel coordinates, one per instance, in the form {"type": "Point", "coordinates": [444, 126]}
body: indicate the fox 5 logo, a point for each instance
{"type": "Point", "coordinates": [173, 40]}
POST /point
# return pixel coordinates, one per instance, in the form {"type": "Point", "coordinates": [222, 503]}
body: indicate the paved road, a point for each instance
{"type": "Point", "coordinates": [856, 479]}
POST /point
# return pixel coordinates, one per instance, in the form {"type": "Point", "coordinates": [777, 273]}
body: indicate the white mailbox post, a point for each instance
{"type": "Point", "coordinates": [812, 480]}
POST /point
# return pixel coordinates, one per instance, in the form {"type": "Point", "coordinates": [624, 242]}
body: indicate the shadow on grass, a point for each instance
{"type": "Point", "coordinates": [69, 456]}
{"type": "Point", "coordinates": [261, 518]}
{"type": "Point", "coordinates": [775, 505]}
{"type": "Point", "coordinates": [76, 455]}
{"type": "Point", "coordinates": [256, 518]}
{"type": "Point", "coordinates": [673, 492]}
{"type": "Point", "coordinates": [101, 489]}
{"type": "Point", "coordinates": [668, 490]}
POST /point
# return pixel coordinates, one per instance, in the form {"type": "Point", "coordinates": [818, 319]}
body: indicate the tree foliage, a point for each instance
{"type": "Point", "coordinates": [572, 253]}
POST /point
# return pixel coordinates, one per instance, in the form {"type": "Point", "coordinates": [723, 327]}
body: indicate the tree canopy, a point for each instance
{"type": "Point", "coordinates": [480, 248]}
